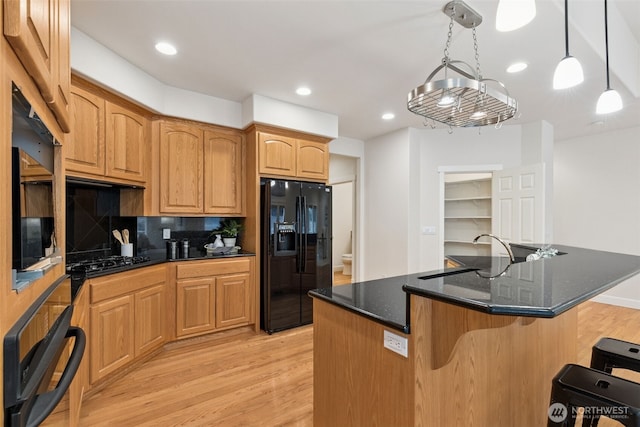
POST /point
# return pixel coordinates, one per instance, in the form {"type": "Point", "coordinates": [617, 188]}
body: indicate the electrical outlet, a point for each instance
{"type": "Point", "coordinates": [166, 233]}
{"type": "Point", "coordinates": [396, 343]}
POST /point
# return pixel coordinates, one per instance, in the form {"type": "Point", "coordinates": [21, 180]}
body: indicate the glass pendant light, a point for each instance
{"type": "Point", "coordinates": [610, 100]}
{"type": "Point", "coordinates": [569, 71]}
{"type": "Point", "coordinates": [513, 14]}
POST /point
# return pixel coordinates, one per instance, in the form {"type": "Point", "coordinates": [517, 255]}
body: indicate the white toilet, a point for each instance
{"type": "Point", "coordinates": [346, 264]}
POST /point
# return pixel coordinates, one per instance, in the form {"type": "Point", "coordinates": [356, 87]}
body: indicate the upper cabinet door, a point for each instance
{"type": "Point", "coordinates": [126, 147]}
{"type": "Point", "coordinates": [223, 173]}
{"type": "Point", "coordinates": [180, 168]}
{"type": "Point", "coordinates": [84, 150]}
{"type": "Point", "coordinates": [312, 160]}
{"type": "Point", "coordinates": [38, 31]}
{"type": "Point", "coordinates": [62, 66]}
{"type": "Point", "coordinates": [277, 155]}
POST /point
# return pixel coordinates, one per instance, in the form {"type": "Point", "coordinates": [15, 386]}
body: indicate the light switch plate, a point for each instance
{"type": "Point", "coordinates": [166, 233]}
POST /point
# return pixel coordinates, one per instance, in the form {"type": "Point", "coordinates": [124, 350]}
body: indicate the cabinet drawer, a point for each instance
{"type": "Point", "coordinates": [212, 268]}
{"type": "Point", "coordinates": [127, 282]}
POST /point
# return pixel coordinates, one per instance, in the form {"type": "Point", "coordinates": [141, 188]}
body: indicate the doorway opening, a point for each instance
{"type": "Point", "coordinates": [467, 213]}
{"type": "Point", "coordinates": [343, 171]}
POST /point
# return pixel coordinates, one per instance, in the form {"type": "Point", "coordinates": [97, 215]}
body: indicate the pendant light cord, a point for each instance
{"type": "Point", "coordinates": [566, 27]}
{"type": "Point", "coordinates": [606, 42]}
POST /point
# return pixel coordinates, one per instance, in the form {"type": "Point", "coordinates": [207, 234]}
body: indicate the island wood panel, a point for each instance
{"type": "Point", "coordinates": [356, 381]}
{"type": "Point", "coordinates": [477, 369]}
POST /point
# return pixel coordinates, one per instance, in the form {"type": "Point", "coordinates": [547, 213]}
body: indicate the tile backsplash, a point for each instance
{"type": "Point", "coordinates": [150, 240]}
{"type": "Point", "coordinates": [94, 212]}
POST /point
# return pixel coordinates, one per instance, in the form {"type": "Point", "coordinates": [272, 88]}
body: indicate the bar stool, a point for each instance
{"type": "Point", "coordinates": [609, 353]}
{"type": "Point", "coordinates": [599, 393]}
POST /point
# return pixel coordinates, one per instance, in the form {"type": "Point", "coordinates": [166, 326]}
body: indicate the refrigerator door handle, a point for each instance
{"type": "Point", "coordinates": [299, 234]}
{"type": "Point", "coordinates": [304, 235]}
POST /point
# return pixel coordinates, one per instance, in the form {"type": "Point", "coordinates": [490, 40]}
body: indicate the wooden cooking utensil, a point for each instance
{"type": "Point", "coordinates": [125, 236]}
{"type": "Point", "coordinates": [118, 236]}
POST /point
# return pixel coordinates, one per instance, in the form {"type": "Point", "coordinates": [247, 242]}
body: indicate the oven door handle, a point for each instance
{"type": "Point", "coordinates": [46, 402]}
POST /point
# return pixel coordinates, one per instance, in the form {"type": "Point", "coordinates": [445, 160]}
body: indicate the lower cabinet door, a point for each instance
{"type": "Point", "coordinates": [232, 300]}
{"type": "Point", "coordinates": [112, 336]}
{"type": "Point", "coordinates": [150, 319]}
{"type": "Point", "coordinates": [195, 306]}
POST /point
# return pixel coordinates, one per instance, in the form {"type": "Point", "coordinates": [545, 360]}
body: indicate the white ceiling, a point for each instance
{"type": "Point", "coordinates": [361, 58]}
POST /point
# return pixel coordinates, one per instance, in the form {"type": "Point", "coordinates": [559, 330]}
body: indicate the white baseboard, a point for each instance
{"type": "Point", "coordinates": [337, 268]}
{"type": "Point", "coordinates": [622, 302]}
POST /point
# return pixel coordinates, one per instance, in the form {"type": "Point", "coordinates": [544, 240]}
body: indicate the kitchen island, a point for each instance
{"type": "Point", "coordinates": [483, 340]}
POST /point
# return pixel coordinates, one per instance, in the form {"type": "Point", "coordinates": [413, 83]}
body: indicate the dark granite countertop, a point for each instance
{"type": "Point", "coordinates": [155, 260]}
{"type": "Point", "coordinates": [541, 288]}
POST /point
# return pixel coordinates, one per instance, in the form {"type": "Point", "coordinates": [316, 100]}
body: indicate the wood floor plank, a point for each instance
{"type": "Point", "coordinates": [240, 378]}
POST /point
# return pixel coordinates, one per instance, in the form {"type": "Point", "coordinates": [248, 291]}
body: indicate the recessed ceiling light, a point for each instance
{"type": "Point", "coordinates": [304, 91]}
{"type": "Point", "coordinates": [388, 116]}
{"type": "Point", "coordinates": [166, 48]}
{"type": "Point", "coordinates": [516, 67]}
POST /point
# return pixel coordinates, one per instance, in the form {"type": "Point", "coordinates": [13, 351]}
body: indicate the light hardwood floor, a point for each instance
{"type": "Point", "coordinates": [242, 379]}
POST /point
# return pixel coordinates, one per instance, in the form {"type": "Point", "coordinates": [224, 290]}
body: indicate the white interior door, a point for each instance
{"type": "Point", "coordinates": [518, 211]}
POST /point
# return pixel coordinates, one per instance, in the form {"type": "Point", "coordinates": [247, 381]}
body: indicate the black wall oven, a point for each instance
{"type": "Point", "coordinates": [38, 367]}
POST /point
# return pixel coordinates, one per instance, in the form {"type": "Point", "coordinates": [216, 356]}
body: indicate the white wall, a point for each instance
{"type": "Point", "coordinates": [597, 199]}
{"type": "Point", "coordinates": [463, 147]}
{"type": "Point", "coordinates": [387, 180]}
{"type": "Point", "coordinates": [351, 150]}
{"type": "Point", "coordinates": [97, 63]}
{"type": "Point", "coordinates": [403, 187]}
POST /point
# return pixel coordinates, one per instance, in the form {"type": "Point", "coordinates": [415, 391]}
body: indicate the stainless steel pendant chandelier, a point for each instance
{"type": "Point", "coordinates": [463, 98]}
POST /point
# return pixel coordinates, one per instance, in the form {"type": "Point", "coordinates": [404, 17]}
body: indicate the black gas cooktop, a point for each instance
{"type": "Point", "coordinates": [99, 265]}
{"type": "Point", "coordinates": [81, 270]}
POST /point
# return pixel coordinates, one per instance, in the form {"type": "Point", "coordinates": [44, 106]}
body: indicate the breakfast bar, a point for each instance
{"type": "Point", "coordinates": [473, 345]}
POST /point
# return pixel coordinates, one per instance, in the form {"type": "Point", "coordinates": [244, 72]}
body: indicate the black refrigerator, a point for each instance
{"type": "Point", "coordinates": [296, 250]}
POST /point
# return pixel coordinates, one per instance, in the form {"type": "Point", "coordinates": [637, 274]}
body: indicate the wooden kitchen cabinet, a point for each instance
{"type": "Point", "coordinates": [85, 148]}
{"type": "Point", "coordinates": [214, 295]}
{"type": "Point", "coordinates": [107, 140]}
{"type": "Point", "coordinates": [195, 306]}
{"type": "Point", "coordinates": [112, 336]}
{"type": "Point", "coordinates": [126, 143]}
{"type": "Point", "coordinates": [128, 318]}
{"type": "Point", "coordinates": [80, 383]}
{"type": "Point", "coordinates": [233, 300]}
{"type": "Point", "coordinates": [223, 173]}
{"type": "Point", "coordinates": [293, 156]}
{"type": "Point", "coordinates": [39, 33]}
{"type": "Point", "coordinates": [181, 152]}
{"type": "Point", "coordinates": [201, 170]}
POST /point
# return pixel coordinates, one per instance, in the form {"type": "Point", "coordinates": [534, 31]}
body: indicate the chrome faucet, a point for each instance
{"type": "Point", "coordinates": [512, 259]}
